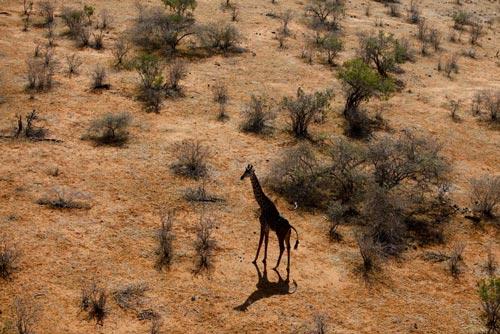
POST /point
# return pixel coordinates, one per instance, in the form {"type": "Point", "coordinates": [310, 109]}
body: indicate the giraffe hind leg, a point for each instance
{"type": "Point", "coordinates": [281, 241]}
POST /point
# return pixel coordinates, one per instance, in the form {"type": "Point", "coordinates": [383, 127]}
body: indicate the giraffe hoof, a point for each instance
{"type": "Point", "coordinates": [254, 261]}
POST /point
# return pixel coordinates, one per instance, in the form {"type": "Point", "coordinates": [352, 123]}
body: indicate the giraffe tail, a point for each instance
{"type": "Point", "coordinates": [297, 234]}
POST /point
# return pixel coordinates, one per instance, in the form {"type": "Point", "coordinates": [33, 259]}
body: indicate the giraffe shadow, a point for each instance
{"type": "Point", "coordinates": [266, 288]}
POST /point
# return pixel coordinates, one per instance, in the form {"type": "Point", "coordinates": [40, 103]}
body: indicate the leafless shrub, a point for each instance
{"type": "Point", "coordinates": [8, 259]}
{"type": "Point", "coordinates": [477, 102]}
{"type": "Point", "coordinates": [98, 39]}
{"type": "Point", "coordinates": [61, 198]}
{"type": "Point", "coordinates": [165, 236]}
{"type": "Point", "coordinates": [99, 77]}
{"type": "Point", "coordinates": [120, 50]}
{"type": "Point", "coordinates": [320, 326]}
{"type": "Point", "coordinates": [454, 106]}
{"type": "Point", "coordinates": [129, 297]}
{"type": "Point", "coordinates": [485, 195]}
{"type": "Point", "coordinates": [83, 37]}
{"type": "Point", "coordinates": [93, 301]}
{"type": "Point", "coordinates": [476, 31]}
{"type": "Point", "coordinates": [451, 66]}
{"type": "Point", "coordinates": [336, 215]}
{"type": "Point", "coordinates": [492, 105]}
{"type": "Point", "coordinates": [29, 129]}
{"type": "Point", "coordinates": [394, 10]}
{"type": "Point", "coordinates": [26, 314]}
{"type": "Point", "coordinates": [200, 194]}
{"type": "Point", "coordinates": [258, 115]}
{"type": "Point", "coordinates": [28, 10]}
{"type": "Point", "coordinates": [177, 71]}
{"type": "Point", "coordinates": [219, 37]}
{"type": "Point", "coordinates": [155, 326]}
{"type": "Point", "coordinates": [74, 62]}
{"type": "Point", "coordinates": [47, 9]}
{"type": "Point", "coordinates": [110, 129]}
{"type": "Point", "coordinates": [286, 17]}
{"type": "Point", "coordinates": [490, 266]}
{"type": "Point", "coordinates": [303, 109]}
{"type": "Point", "coordinates": [423, 29]}
{"type": "Point", "coordinates": [105, 20]}
{"type": "Point", "coordinates": [370, 254]}
{"type": "Point", "coordinates": [51, 34]}
{"type": "Point", "coordinates": [281, 38]}
{"type": "Point", "coordinates": [41, 72]}
{"type": "Point", "coordinates": [204, 245]}
{"type": "Point", "coordinates": [455, 260]}
{"type": "Point", "coordinates": [234, 13]}
{"type": "Point", "coordinates": [191, 158]}
{"type": "Point", "coordinates": [221, 97]}
{"type": "Point", "coordinates": [368, 10]}
{"type": "Point", "coordinates": [435, 39]}
{"type": "Point", "coordinates": [471, 53]}
{"type": "Point", "coordinates": [307, 54]}
{"type": "Point", "coordinates": [414, 13]}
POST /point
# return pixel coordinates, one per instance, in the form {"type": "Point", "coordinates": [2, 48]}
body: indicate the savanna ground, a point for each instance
{"type": "Point", "coordinates": [129, 188]}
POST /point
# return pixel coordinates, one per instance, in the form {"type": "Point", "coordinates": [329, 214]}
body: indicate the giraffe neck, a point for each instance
{"type": "Point", "coordinates": [260, 197]}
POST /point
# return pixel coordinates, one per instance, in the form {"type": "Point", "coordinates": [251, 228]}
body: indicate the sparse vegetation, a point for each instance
{"type": "Point", "coordinates": [99, 77]}
{"type": "Point", "coordinates": [129, 297]}
{"type": "Point", "coordinates": [258, 115]}
{"type": "Point", "coordinates": [26, 315]}
{"type": "Point", "coordinates": [74, 62]}
{"type": "Point", "coordinates": [165, 236]}
{"type": "Point", "coordinates": [223, 37]}
{"type": "Point", "coordinates": [221, 97]}
{"type": "Point", "coordinates": [304, 108]}
{"type": "Point", "coordinates": [455, 260]}
{"type": "Point", "coordinates": [326, 13]}
{"type": "Point", "coordinates": [485, 195]}
{"type": "Point", "coordinates": [331, 45]}
{"type": "Point", "coordinates": [489, 293]}
{"type": "Point", "coordinates": [93, 302]}
{"type": "Point", "coordinates": [41, 72]}
{"type": "Point", "coordinates": [8, 260]}
{"type": "Point", "coordinates": [204, 245]}
{"type": "Point", "coordinates": [62, 198]}
{"type": "Point", "coordinates": [181, 7]}
{"type": "Point", "coordinates": [110, 129]}
{"type": "Point", "coordinates": [191, 156]}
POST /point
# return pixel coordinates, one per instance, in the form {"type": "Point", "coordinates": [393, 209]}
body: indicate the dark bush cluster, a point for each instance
{"type": "Point", "coordinates": [326, 13]}
{"type": "Point", "coordinates": [392, 187]}
{"type": "Point", "coordinates": [130, 296]}
{"type": "Point", "coordinates": [223, 37]}
{"type": "Point", "coordinates": [485, 195]}
{"type": "Point", "coordinates": [62, 198]}
{"type": "Point", "coordinates": [80, 26]}
{"type": "Point", "coordinates": [8, 260]}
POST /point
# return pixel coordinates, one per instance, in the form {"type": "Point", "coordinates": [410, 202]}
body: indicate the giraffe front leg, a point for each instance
{"type": "Point", "coordinates": [266, 241]}
{"type": "Point", "coordinates": [260, 244]}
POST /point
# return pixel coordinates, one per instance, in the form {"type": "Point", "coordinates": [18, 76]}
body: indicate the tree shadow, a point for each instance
{"type": "Point", "coordinates": [266, 289]}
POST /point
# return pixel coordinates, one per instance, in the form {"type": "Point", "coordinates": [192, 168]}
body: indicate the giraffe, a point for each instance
{"type": "Point", "coordinates": [270, 219]}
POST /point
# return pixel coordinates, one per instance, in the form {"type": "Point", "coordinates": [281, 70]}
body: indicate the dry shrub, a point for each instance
{"type": "Point", "coordinates": [120, 50]}
{"type": "Point", "coordinates": [489, 293]}
{"type": "Point", "coordinates": [29, 128]}
{"type": "Point", "coordinates": [110, 129]}
{"type": "Point", "coordinates": [154, 29]}
{"type": "Point", "coordinates": [223, 37]}
{"type": "Point", "coordinates": [165, 236]}
{"type": "Point", "coordinates": [491, 264]}
{"type": "Point", "coordinates": [191, 156]}
{"type": "Point", "coordinates": [99, 77]}
{"type": "Point", "coordinates": [74, 62]}
{"type": "Point", "coordinates": [200, 194]}
{"type": "Point", "coordinates": [130, 296]}
{"type": "Point", "coordinates": [104, 20]}
{"type": "Point", "coordinates": [296, 175]}
{"type": "Point", "coordinates": [485, 195]}
{"type": "Point", "coordinates": [257, 115]}
{"type": "Point", "coordinates": [455, 260]}
{"type": "Point", "coordinates": [26, 315]}
{"type": "Point", "coordinates": [93, 301]}
{"type": "Point", "coordinates": [47, 9]}
{"type": "Point", "coordinates": [325, 14]}
{"type": "Point", "coordinates": [304, 109]}
{"type": "Point", "coordinates": [371, 255]}
{"type": "Point", "coordinates": [320, 326]}
{"type": "Point", "coordinates": [8, 260]}
{"type": "Point", "coordinates": [221, 97]}
{"type": "Point", "coordinates": [204, 245]}
{"type": "Point", "coordinates": [41, 72]}
{"type": "Point", "coordinates": [177, 71]}
{"type": "Point", "coordinates": [62, 198]}
{"type": "Point", "coordinates": [414, 13]}
{"type": "Point", "coordinates": [476, 31]}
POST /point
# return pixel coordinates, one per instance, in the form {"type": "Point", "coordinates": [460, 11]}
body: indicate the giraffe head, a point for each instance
{"type": "Point", "coordinates": [248, 171]}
